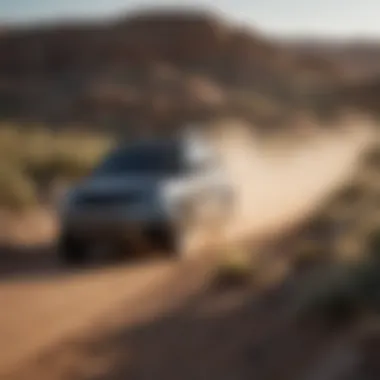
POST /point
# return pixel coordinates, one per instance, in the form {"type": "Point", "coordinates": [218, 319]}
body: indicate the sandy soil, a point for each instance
{"type": "Point", "coordinates": [45, 309]}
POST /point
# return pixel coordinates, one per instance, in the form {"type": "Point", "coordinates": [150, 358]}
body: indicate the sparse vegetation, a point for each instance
{"type": "Point", "coordinates": [374, 244]}
{"type": "Point", "coordinates": [344, 294]}
{"type": "Point", "coordinates": [17, 191]}
{"type": "Point", "coordinates": [32, 159]}
{"type": "Point", "coordinates": [234, 269]}
{"type": "Point", "coordinates": [308, 253]}
{"type": "Point", "coordinates": [352, 288]}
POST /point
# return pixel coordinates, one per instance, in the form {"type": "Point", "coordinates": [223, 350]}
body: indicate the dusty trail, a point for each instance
{"type": "Point", "coordinates": [278, 187]}
{"type": "Point", "coordinates": [37, 312]}
{"type": "Point", "coordinates": [274, 191]}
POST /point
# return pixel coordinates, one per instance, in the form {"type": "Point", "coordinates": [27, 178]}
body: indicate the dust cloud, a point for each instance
{"type": "Point", "coordinates": [278, 186]}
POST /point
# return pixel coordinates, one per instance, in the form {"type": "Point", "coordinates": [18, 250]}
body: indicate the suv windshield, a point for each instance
{"type": "Point", "coordinates": [153, 158]}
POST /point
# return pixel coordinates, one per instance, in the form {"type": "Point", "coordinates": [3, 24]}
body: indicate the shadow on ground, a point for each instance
{"type": "Point", "coordinates": [18, 262]}
{"type": "Point", "coordinates": [229, 335]}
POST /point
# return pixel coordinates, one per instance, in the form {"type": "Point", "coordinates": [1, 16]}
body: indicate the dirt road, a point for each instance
{"type": "Point", "coordinates": [36, 312]}
{"type": "Point", "coordinates": [279, 186]}
{"type": "Point", "coordinates": [274, 190]}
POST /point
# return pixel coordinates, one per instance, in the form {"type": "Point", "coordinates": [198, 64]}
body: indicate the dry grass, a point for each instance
{"type": "Point", "coordinates": [234, 268]}
{"type": "Point", "coordinates": [352, 288]}
{"type": "Point", "coordinates": [343, 294]}
{"type": "Point", "coordinates": [32, 159]}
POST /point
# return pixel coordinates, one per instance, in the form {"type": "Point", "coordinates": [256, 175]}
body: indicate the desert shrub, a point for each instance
{"type": "Point", "coordinates": [343, 294]}
{"type": "Point", "coordinates": [233, 269]}
{"type": "Point", "coordinates": [348, 289]}
{"type": "Point", "coordinates": [66, 166]}
{"type": "Point", "coordinates": [372, 157]}
{"type": "Point", "coordinates": [33, 158]}
{"type": "Point", "coordinates": [308, 253]}
{"type": "Point", "coordinates": [17, 191]}
{"type": "Point", "coordinates": [352, 193]}
{"type": "Point", "coordinates": [374, 244]}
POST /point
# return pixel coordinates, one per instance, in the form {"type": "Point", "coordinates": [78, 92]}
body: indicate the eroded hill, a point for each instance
{"type": "Point", "coordinates": [150, 69]}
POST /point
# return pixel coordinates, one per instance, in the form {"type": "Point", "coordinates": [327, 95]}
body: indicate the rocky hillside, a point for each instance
{"type": "Point", "coordinates": [358, 59]}
{"type": "Point", "coordinates": [364, 96]}
{"type": "Point", "coordinates": [149, 70]}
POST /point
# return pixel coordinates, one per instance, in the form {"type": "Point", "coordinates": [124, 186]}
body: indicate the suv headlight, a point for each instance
{"type": "Point", "coordinates": [175, 200]}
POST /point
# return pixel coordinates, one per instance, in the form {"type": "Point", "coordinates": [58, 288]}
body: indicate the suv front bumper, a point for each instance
{"type": "Point", "coordinates": [102, 228]}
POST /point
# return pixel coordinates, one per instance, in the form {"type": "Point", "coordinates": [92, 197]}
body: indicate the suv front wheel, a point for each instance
{"type": "Point", "coordinates": [72, 250]}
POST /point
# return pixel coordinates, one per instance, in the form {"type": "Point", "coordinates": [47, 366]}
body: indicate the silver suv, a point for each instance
{"type": "Point", "coordinates": [146, 192]}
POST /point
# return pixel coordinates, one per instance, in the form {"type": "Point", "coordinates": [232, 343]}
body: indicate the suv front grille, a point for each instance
{"type": "Point", "coordinates": [107, 199]}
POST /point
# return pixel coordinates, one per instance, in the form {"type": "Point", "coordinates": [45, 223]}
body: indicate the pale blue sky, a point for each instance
{"type": "Point", "coordinates": [316, 17]}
